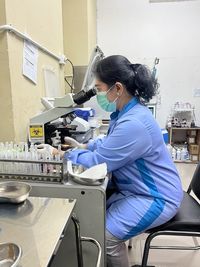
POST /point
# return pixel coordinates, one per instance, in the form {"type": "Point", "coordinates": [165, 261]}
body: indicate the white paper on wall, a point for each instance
{"type": "Point", "coordinates": [30, 60]}
{"type": "Point", "coordinates": [51, 82]}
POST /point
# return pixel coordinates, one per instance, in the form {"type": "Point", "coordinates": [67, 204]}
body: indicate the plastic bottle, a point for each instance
{"type": "Point", "coordinates": [192, 124]}
{"type": "Point", "coordinates": [173, 153]}
{"type": "Point", "coordinates": [187, 155]}
{"type": "Point", "coordinates": [183, 153]}
{"type": "Point", "coordinates": [178, 154]}
{"type": "Point", "coordinates": [169, 122]}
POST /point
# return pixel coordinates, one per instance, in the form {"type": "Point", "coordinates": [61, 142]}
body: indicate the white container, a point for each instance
{"type": "Point", "coordinates": [173, 153]}
{"type": "Point", "coordinates": [184, 154]}
{"type": "Point", "coordinates": [178, 154]}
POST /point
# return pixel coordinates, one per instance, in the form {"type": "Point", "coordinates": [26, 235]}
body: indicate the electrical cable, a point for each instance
{"type": "Point", "coordinates": [72, 82]}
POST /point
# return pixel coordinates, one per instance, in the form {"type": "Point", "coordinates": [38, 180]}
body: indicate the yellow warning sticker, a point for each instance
{"type": "Point", "coordinates": [36, 131]}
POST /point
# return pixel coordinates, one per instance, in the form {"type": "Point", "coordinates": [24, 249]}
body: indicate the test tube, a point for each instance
{"type": "Point", "coordinates": [57, 158]}
{"type": "Point", "coordinates": [38, 166]}
{"type": "Point", "coordinates": [45, 165]}
{"type": "Point", "coordinates": [49, 157]}
{"type": "Point", "coordinates": [32, 157]}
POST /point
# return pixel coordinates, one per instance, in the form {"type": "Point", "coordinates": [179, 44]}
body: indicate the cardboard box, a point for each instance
{"type": "Point", "coordinates": [194, 149]}
{"type": "Point", "coordinates": [194, 157]}
{"type": "Point", "coordinates": [198, 137]}
{"type": "Point", "coordinates": [191, 140]}
{"type": "Point", "coordinates": [192, 133]}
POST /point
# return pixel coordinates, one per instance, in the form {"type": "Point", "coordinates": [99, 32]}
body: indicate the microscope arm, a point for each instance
{"type": "Point", "coordinates": [63, 106]}
{"type": "Point", "coordinates": [50, 115]}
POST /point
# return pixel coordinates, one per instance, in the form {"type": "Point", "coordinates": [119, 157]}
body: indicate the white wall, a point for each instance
{"type": "Point", "coordinates": [170, 31]}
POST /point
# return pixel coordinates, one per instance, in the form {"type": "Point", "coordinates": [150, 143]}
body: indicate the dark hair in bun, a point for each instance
{"type": "Point", "coordinates": [137, 78]}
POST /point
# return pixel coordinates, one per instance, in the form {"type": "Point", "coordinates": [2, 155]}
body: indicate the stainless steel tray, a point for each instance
{"type": "Point", "coordinates": [14, 192]}
{"type": "Point", "coordinates": [78, 169]}
{"type": "Point", "coordinates": [87, 181]}
{"type": "Point", "coordinates": [10, 255]}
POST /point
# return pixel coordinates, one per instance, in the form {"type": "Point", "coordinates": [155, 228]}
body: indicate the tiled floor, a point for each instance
{"type": "Point", "coordinates": [166, 258]}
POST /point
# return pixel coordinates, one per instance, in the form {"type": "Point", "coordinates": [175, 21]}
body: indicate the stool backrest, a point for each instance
{"type": "Point", "coordinates": [195, 182]}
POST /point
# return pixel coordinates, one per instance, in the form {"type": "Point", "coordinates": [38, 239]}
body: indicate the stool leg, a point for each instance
{"type": "Point", "coordinates": [78, 241]}
{"type": "Point", "coordinates": [146, 251]}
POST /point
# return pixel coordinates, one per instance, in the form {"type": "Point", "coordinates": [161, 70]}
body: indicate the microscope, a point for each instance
{"type": "Point", "coordinates": [59, 119]}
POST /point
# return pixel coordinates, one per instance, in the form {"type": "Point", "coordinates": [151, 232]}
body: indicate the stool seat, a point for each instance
{"type": "Point", "coordinates": [186, 219]}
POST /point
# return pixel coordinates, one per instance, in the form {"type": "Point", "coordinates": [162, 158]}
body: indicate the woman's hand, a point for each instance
{"type": "Point", "coordinates": [46, 149]}
{"type": "Point", "coordinates": [73, 143]}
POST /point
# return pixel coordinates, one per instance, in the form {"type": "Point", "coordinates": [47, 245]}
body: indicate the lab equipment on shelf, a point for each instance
{"type": "Point", "coordinates": [188, 140]}
{"type": "Point", "coordinates": [184, 134]}
{"type": "Point", "coordinates": [182, 115]}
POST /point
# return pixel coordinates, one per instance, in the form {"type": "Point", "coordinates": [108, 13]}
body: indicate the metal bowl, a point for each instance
{"type": "Point", "coordinates": [10, 255]}
{"type": "Point", "coordinates": [14, 192]}
{"type": "Point", "coordinates": [78, 169]}
{"type": "Point", "coordinates": [87, 181]}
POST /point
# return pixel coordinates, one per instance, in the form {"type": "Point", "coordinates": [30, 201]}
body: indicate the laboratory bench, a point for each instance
{"type": "Point", "coordinates": [90, 210]}
{"type": "Point", "coordinates": [37, 226]}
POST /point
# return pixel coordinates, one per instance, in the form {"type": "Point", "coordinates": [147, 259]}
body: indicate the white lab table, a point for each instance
{"type": "Point", "coordinates": [36, 226]}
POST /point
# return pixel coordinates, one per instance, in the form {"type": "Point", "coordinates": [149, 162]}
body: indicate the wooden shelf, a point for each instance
{"type": "Point", "coordinates": [185, 161]}
{"type": "Point", "coordinates": [183, 109]}
{"type": "Point", "coordinates": [183, 128]}
{"type": "Point", "coordinates": [178, 136]}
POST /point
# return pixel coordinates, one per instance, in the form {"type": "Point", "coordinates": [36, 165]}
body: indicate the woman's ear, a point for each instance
{"type": "Point", "coordinates": [120, 88]}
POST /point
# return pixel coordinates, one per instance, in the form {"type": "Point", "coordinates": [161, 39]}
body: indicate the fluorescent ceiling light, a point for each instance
{"type": "Point", "coordinates": [161, 1]}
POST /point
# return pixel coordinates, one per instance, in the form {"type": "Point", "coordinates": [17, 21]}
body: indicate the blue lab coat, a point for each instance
{"type": "Point", "coordinates": [147, 186]}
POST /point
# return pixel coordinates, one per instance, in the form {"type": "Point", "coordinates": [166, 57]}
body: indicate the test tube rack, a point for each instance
{"type": "Point", "coordinates": [48, 171]}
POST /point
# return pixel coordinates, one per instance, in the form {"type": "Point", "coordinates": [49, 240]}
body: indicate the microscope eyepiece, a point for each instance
{"type": "Point", "coordinates": [83, 96]}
